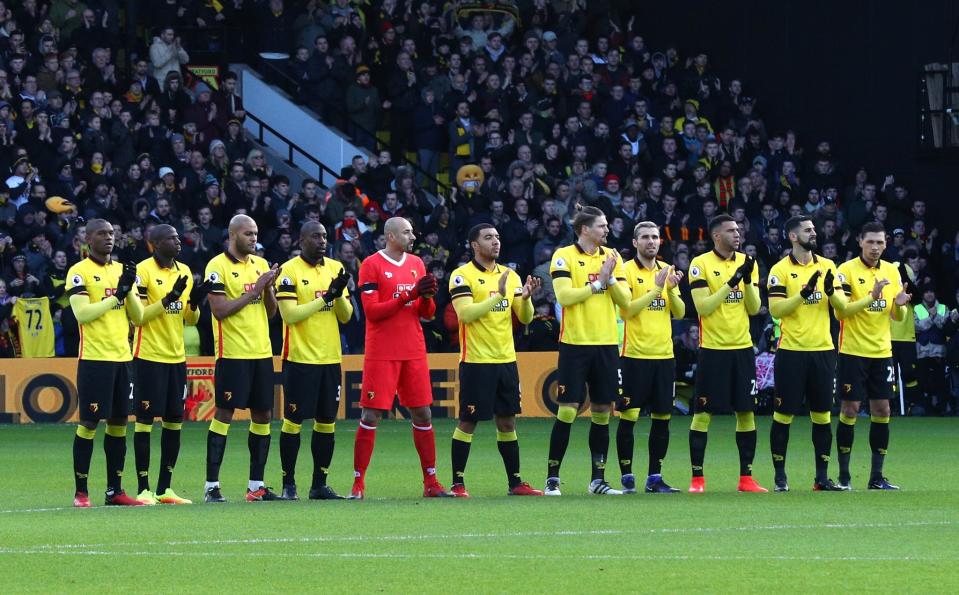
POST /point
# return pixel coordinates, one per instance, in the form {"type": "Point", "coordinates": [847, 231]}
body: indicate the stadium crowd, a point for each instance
{"type": "Point", "coordinates": [559, 103]}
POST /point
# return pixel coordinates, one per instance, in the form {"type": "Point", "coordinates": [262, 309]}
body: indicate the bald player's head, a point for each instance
{"type": "Point", "coordinates": [239, 221]}
{"type": "Point", "coordinates": [399, 234]}
{"type": "Point", "coordinates": [243, 234]}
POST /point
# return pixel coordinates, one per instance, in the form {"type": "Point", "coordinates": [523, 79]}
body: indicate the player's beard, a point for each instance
{"type": "Point", "coordinates": [809, 245]}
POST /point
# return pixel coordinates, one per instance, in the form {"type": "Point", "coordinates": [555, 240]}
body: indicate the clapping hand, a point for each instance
{"type": "Point", "coordinates": [127, 278]}
{"type": "Point", "coordinates": [903, 298]}
{"type": "Point", "coordinates": [810, 287]}
{"type": "Point", "coordinates": [337, 286]}
{"type": "Point", "coordinates": [179, 286]}
{"type": "Point", "coordinates": [532, 284]}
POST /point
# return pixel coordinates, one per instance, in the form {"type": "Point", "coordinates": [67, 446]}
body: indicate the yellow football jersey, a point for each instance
{"type": "Point", "coordinates": [489, 338]}
{"type": "Point", "coordinates": [905, 329]}
{"type": "Point", "coordinates": [161, 339]}
{"type": "Point", "coordinates": [246, 334]}
{"type": "Point", "coordinates": [727, 327]}
{"type": "Point", "coordinates": [649, 334]}
{"type": "Point", "coordinates": [593, 322]}
{"type": "Point", "coordinates": [807, 327]}
{"type": "Point", "coordinates": [34, 326]}
{"type": "Point", "coordinates": [316, 339]}
{"type": "Point", "coordinates": [107, 337]}
{"type": "Point", "coordinates": [867, 333]}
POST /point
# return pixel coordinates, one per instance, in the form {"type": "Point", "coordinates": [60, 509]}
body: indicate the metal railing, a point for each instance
{"type": "Point", "coordinates": [292, 149]}
{"type": "Point", "coordinates": [276, 75]}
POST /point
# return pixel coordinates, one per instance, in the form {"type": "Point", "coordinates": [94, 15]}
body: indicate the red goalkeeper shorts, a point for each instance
{"type": "Point", "coordinates": [384, 379]}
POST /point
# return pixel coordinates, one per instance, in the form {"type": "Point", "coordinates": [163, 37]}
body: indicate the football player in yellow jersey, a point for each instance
{"type": "Point", "coordinates": [646, 362]}
{"type": "Point", "coordinates": [98, 287]}
{"type": "Point", "coordinates": [801, 288]}
{"type": "Point", "coordinates": [586, 279]}
{"type": "Point", "coordinates": [311, 294]}
{"type": "Point", "coordinates": [159, 359]}
{"type": "Point", "coordinates": [485, 295]}
{"type": "Point", "coordinates": [725, 290]}
{"type": "Point", "coordinates": [242, 302]}
{"type": "Point", "coordinates": [903, 333]}
{"type": "Point", "coordinates": [877, 295]}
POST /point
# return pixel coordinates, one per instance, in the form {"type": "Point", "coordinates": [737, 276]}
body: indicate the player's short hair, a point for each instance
{"type": "Point", "coordinates": [644, 225]}
{"type": "Point", "coordinates": [792, 224]}
{"type": "Point", "coordinates": [95, 224]}
{"type": "Point", "coordinates": [718, 220]}
{"type": "Point", "coordinates": [872, 227]}
{"type": "Point", "coordinates": [585, 216]}
{"type": "Point", "coordinates": [477, 229]}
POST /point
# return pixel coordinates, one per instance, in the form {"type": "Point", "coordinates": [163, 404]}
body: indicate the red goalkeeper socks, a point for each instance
{"type": "Point", "coordinates": [363, 449]}
{"type": "Point", "coordinates": [425, 441]}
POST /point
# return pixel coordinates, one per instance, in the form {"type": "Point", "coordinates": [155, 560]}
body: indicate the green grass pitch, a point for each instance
{"type": "Point", "coordinates": [397, 542]}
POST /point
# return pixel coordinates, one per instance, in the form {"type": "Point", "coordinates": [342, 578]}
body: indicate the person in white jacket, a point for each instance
{"type": "Point", "coordinates": [166, 54]}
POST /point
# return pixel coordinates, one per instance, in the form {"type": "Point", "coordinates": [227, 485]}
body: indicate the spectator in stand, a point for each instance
{"type": "Point", "coordinates": [934, 323]}
{"type": "Point", "coordinates": [364, 106]}
{"type": "Point", "coordinates": [167, 54]}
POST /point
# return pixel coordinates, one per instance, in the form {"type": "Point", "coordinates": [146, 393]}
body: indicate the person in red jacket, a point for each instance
{"type": "Point", "coordinates": [396, 292]}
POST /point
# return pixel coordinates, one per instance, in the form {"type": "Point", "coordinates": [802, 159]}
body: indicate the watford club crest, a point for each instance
{"type": "Point", "coordinates": [471, 409]}
{"type": "Point", "coordinates": [94, 407]}
{"type": "Point", "coordinates": [228, 395]}
{"type": "Point", "coordinates": [144, 404]}
{"type": "Point", "coordinates": [370, 395]}
{"type": "Point", "coordinates": [292, 407]}
{"type": "Point", "coordinates": [703, 401]}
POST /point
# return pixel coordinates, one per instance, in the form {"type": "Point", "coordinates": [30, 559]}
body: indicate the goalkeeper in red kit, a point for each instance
{"type": "Point", "coordinates": [396, 292]}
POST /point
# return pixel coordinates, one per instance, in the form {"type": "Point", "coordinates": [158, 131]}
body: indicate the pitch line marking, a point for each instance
{"type": "Point", "coordinates": [473, 556]}
{"type": "Point", "coordinates": [65, 548]}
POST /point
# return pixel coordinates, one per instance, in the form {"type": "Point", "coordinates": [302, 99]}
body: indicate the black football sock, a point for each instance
{"type": "Point", "coordinates": [141, 455]}
{"type": "Point", "coordinates": [845, 433]}
{"type": "Point", "coordinates": [697, 451]}
{"type": "Point", "coordinates": [215, 447]}
{"type": "Point", "coordinates": [169, 453]}
{"type": "Point", "coordinates": [115, 449]}
{"type": "Point", "coordinates": [778, 443]}
{"type": "Point", "coordinates": [879, 443]}
{"type": "Point", "coordinates": [321, 445]}
{"type": "Point", "coordinates": [625, 445]}
{"type": "Point", "coordinates": [822, 445]}
{"type": "Point", "coordinates": [259, 444]}
{"type": "Point", "coordinates": [289, 451]}
{"type": "Point", "coordinates": [508, 446]}
{"type": "Point", "coordinates": [82, 453]}
{"type": "Point", "coordinates": [558, 442]}
{"type": "Point", "coordinates": [459, 454]}
{"type": "Point", "coordinates": [746, 443]}
{"type": "Point", "coordinates": [658, 445]}
{"type": "Point", "coordinates": [599, 444]}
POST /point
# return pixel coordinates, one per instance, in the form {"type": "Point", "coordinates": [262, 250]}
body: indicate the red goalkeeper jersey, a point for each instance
{"type": "Point", "coordinates": [393, 330]}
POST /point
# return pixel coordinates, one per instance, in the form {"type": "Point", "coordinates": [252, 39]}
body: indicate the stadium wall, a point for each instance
{"type": "Point", "coordinates": [44, 390]}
